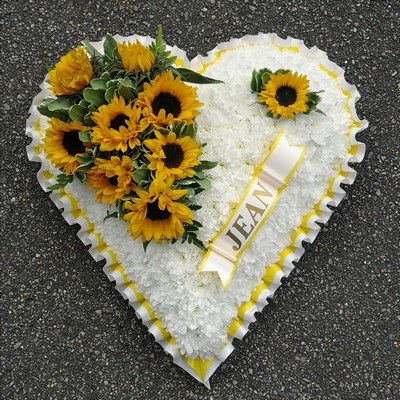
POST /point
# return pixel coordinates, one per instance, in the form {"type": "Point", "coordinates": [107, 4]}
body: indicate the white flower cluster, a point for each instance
{"type": "Point", "coordinates": [193, 306]}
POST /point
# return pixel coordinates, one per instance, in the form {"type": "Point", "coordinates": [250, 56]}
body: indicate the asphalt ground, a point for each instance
{"type": "Point", "coordinates": [331, 330]}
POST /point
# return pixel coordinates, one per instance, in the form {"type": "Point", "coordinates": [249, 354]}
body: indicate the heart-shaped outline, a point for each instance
{"type": "Point", "coordinates": [307, 231]}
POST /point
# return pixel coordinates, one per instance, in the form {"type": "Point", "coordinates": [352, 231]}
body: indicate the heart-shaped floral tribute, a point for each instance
{"type": "Point", "coordinates": [197, 190]}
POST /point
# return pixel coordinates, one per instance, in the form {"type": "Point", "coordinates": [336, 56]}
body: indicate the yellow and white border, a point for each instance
{"type": "Point", "coordinates": [306, 231]}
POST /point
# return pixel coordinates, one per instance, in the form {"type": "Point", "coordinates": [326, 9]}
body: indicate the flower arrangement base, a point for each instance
{"type": "Point", "coordinates": [191, 314]}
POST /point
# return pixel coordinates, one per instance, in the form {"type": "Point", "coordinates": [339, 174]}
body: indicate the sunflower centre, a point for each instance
{"type": "Point", "coordinates": [118, 121]}
{"type": "Point", "coordinates": [155, 214]}
{"type": "Point", "coordinates": [114, 180]}
{"type": "Point", "coordinates": [286, 95]}
{"type": "Point", "coordinates": [72, 143]}
{"type": "Point", "coordinates": [174, 155]}
{"type": "Point", "coordinates": [168, 102]}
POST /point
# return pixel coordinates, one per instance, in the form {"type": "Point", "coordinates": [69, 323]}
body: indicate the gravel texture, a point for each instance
{"type": "Point", "coordinates": [332, 329]}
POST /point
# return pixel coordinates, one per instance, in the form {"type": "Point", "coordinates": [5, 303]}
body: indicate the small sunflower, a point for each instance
{"type": "Point", "coordinates": [117, 125]}
{"type": "Point", "coordinates": [135, 57]}
{"type": "Point", "coordinates": [166, 99]}
{"type": "Point", "coordinates": [285, 94]}
{"type": "Point", "coordinates": [72, 73]}
{"type": "Point", "coordinates": [155, 214]}
{"type": "Point", "coordinates": [172, 157]}
{"type": "Point", "coordinates": [62, 144]}
{"type": "Point", "coordinates": [111, 178]}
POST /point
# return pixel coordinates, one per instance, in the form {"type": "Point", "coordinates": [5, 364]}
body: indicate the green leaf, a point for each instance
{"type": "Point", "coordinates": [83, 103]}
{"type": "Point", "coordinates": [94, 96]}
{"type": "Point", "coordinates": [282, 71]}
{"type": "Point", "coordinates": [112, 215]}
{"type": "Point", "coordinates": [106, 76]}
{"type": "Point", "coordinates": [124, 92]}
{"type": "Point", "coordinates": [190, 192]}
{"type": "Point", "coordinates": [109, 45]}
{"type": "Point", "coordinates": [160, 44]}
{"type": "Point", "coordinates": [110, 93]}
{"type": "Point", "coordinates": [77, 113]}
{"type": "Point", "coordinates": [140, 175]}
{"type": "Point", "coordinates": [190, 131]}
{"type": "Point", "coordinates": [163, 131]}
{"type": "Point", "coordinates": [43, 109]}
{"type": "Point", "coordinates": [98, 83]}
{"type": "Point", "coordinates": [62, 104]}
{"type": "Point", "coordinates": [90, 49]}
{"type": "Point", "coordinates": [265, 77]}
{"type": "Point", "coordinates": [188, 75]}
{"type": "Point", "coordinates": [56, 186]}
{"type": "Point", "coordinates": [145, 244]}
{"type": "Point", "coordinates": [62, 181]}
{"type": "Point", "coordinates": [194, 207]}
{"type": "Point", "coordinates": [197, 224]}
{"type": "Point", "coordinates": [87, 120]}
{"type": "Point", "coordinates": [206, 165]}
{"type": "Point", "coordinates": [191, 228]}
{"type": "Point", "coordinates": [128, 197]}
{"type": "Point", "coordinates": [259, 79]}
{"type": "Point", "coordinates": [84, 160]}
{"type": "Point", "coordinates": [113, 83]}
{"type": "Point", "coordinates": [204, 183]}
{"type": "Point", "coordinates": [199, 244]}
{"type": "Point", "coordinates": [84, 136]}
{"type": "Point", "coordinates": [83, 169]}
{"type": "Point", "coordinates": [200, 175]}
{"type": "Point", "coordinates": [128, 83]}
{"type": "Point", "coordinates": [186, 181]}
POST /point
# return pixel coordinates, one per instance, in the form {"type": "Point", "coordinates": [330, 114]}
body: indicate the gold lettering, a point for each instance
{"type": "Point", "coordinates": [254, 211]}
{"type": "Point", "coordinates": [240, 228]}
{"type": "Point", "coordinates": [265, 192]}
{"type": "Point", "coordinates": [235, 239]}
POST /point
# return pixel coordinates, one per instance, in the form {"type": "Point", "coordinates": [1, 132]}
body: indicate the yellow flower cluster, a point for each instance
{"type": "Point", "coordinates": [123, 132]}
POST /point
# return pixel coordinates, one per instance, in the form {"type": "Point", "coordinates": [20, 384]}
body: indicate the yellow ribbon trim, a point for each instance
{"type": "Point", "coordinates": [199, 365]}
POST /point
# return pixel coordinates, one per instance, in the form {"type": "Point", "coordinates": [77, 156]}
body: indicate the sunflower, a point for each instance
{"type": "Point", "coordinates": [71, 74]}
{"type": "Point", "coordinates": [155, 214]}
{"type": "Point", "coordinates": [62, 144]}
{"type": "Point", "coordinates": [135, 57]}
{"type": "Point", "coordinates": [285, 94]}
{"type": "Point", "coordinates": [111, 178]}
{"type": "Point", "coordinates": [117, 125]}
{"type": "Point", "coordinates": [172, 157]}
{"type": "Point", "coordinates": [166, 99]}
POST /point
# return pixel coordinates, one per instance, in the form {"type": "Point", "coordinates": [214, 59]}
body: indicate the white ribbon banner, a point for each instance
{"type": "Point", "coordinates": [269, 179]}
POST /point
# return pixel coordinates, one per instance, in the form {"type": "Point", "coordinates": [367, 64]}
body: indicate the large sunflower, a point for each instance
{"type": "Point", "coordinates": [156, 215]}
{"type": "Point", "coordinates": [117, 125]}
{"type": "Point", "coordinates": [62, 144]}
{"type": "Point", "coordinates": [111, 178]}
{"type": "Point", "coordinates": [72, 73]}
{"type": "Point", "coordinates": [135, 57]}
{"type": "Point", "coordinates": [285, 94]}
{"type": "Point", "coordinates": [172, 157]}
{"type": "Point", "coordinates": [166, 99]}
